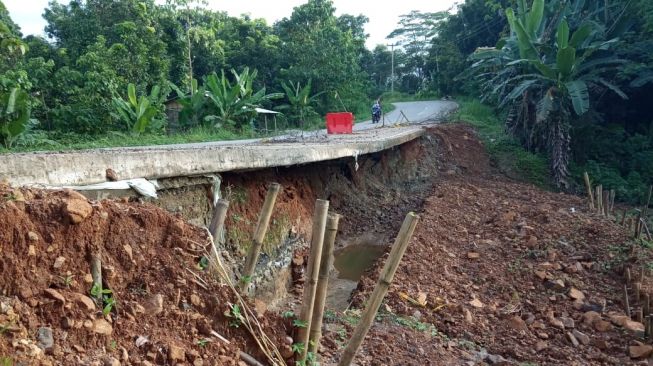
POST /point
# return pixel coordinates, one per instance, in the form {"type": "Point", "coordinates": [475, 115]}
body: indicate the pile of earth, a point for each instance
{"type": "Point", "coordinates": [166, 303]}
{"type": "Point", "coordinates": [501, 272]}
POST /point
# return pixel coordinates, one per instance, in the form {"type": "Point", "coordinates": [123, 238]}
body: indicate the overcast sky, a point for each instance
{"type": "Point", "coordinates": [383, 15]}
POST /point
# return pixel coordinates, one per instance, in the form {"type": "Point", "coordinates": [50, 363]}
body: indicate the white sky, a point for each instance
{"type": "Point", "coordinates": [383, 15]}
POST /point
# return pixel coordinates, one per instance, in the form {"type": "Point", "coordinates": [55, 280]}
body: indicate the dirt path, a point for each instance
{"type": "Point", "coordinates": [508, 274]}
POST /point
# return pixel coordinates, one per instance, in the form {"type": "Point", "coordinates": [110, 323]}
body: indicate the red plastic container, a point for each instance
{"type": "Point", "coordinates": [338, 123]}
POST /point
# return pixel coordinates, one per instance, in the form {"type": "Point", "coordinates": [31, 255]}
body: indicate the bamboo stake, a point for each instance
{"type": "Point", "coordinates": [599, 198]}
{"type": "Point", "coordinates": [638, 289]}
{"type": "Point", "coordinates": [613, 194]}
{"type": "Point", "coordinates": [648, 200]}
{"type": "Point", "coordinates": [648, 233]}
{"type": "Point", "coordinates": [312, 271]}
{"type": "Point", "coordinates": [628, 276]}
{"type": "Point", "coordinates": [647, 327]}
{"type": "Point", "coordinates": [590, 195]}
{"type": "Point", "coordinates": [389, 269]}
{"type": "Point", "coordinates": [322, 282]}
{"type": "Point", "coordinates": [639, 315]}
{"type": "Point", "coordinates": [259, 234]}
{"type": "Point", "coordinates": [217, 221]}
{"type": "Point", "coordinates": [626, 302]}
{"type": "Point", "coordinates": [96, 273]}
{"type": "Point", "coordinates": [638, 228]}
{"type": "Point", "coordinates": [647, 304]}
{"type": "Point", "coordinates": [641, 275]}
{"type": "Point", "coordinates": [606, 203]}
{"type": "Point", "coordinates": [623, 219]}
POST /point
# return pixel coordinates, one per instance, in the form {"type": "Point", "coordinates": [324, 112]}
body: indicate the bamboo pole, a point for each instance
{"type": "Point", "coordinates": [606, 203]}
{"type": "Point", "coordinates": [638, 226]}
{"type": "Point", "coordinates": [590, 195]}
{"type": "Point", "coordinates": [647, 327]}
{"type": "Point", "coordinates": [638, 289]}
{"type": "Point", "coordinates": [623, 218]}
{"type": "Point", "coordinates": [389, 269]}
{"type": "Point", "coordinates": [648, 201]}
{"type": "Point", "coordinates": [323, 279]}
{"type": "Point", "coordinates": [312, 271]}
{"type": "Point", "coordinates": [645, 226]}
{"type": "Point", "coordinates": [639, 315]}
{"type": "Point", "coordinates": [599, 198]}
{"type": "Point", "coordinates": [259, 234]}
{"type": "Point", "coordinates": [96, 274]}
{"type": "Point", "coordinates": [613, 195]}
{"type": "Point", "coordinates": [628, 276]}
{"type": "Point", "coordinates": [626, 302]}
{"type": "Point", "coordinates": [647, 304]}
{"type": "Point", "coordinates": [217, 221]}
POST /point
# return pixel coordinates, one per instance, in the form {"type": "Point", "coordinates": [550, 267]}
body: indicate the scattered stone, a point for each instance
{"type": "Point", "coordinates": [618, 319]}
{"type": "Point", "coordinates": [102, 326]}
{"type": "Point", "coordinates": [541, 345]}
{"type": "Point", "coordinates": [633, 326]}
{"type": "Point", "coordinates": [84, 301]}
{"type": "Point", "coordinates": [568, 322]}
{"type": "Point", "coordinates": [45, 338]}
{"type": "Point", "coordinates": [640, 351]}
{"type": "Point", "coordinates": [176, 354]}
{"type": "Point", "coordinates": [582, 337]}
{"type": "Point", "coordinates": [496, 360]}
{"type": "Point", "coordinates": [88, 278]}
{"type": "Point", "coordinates": [111, 175]}
{"type": "Point", "coordinates": [576, 294]}
{"type": "Point", "coordinates": [601, 344]}
{"type": "Point", "coordinates": [468, 316]}
{"type": "Point", "coordinates": [77, 209]}
{"type": "Point", "coordinates": [111, 361]}
{"type": "Point", "coordinates": [542, 275]}
{"type": "Point", "coordinates": [31, 251]}
{"type": "Point", "coordinates": [129, 251]}
{"type": "Point", "coordinates": [473, 255]}
{"type": "Point", "coordinates": [517, 323]}
{"type": "Point", "coordinates": [602, 325]}
{"type": "Point", "coordinates": [590, 317]}
{"type": "Point", "coordinates": [67, 323]}
{"type": "Point", "coordinates": [55, 295]}
{"type": "Point", "coordinates": [124, 355]}
{"type": "Point", "coordinates": [154, 304]}
{"type": "Point", "coordinates": [570, 337]}
{"type": "Point", "coordinates": [531, 241]}
{"type": "Point", "coordinates": [556, 322]}
{"type": "Point", "coordinates": [557, 285]}
{"type": "Point", "coordinates": [58, 263]}
{"type": "Point", "coordinates": [32, 236]}
{"type": "Point", "coordinates": [287, 352]}
{"type": "Point", "coordinates": [141, 341]}
{"type": "Point", "coordinates": [476, 303]}
{"type": "Point", "coordinates": [195, 300]}
{"type": "Point", "coordinates": [542, 335]}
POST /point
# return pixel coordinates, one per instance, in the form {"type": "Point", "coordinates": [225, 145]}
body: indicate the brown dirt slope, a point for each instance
{"type": "Point", "coordinates": [165, 307]}
{"type": "Point", "coordinates": [502, 272]}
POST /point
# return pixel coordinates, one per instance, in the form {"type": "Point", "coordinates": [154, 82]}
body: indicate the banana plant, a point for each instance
{"type": "Point", "coordinates": [234, 103]}
{"type": "Point", "coordinates": [14, 116]}
{"type": "Point", "coordinates": [545, 81]}
{"type": "Point", "coordinates": [136, 113]}
{"type": "Point", "coordinates": [193, 104]}
{"type": "Point", "coordinates": [300, 101]}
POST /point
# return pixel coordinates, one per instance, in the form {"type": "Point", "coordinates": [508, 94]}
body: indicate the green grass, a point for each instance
{"type": "Point", "coordinates": [508, 155]}
{"type": "Point", "coordinates": [70, 141]}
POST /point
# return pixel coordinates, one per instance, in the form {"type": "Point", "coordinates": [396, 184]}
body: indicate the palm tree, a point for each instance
{"type": "Point", "coordinates": [546, 82]}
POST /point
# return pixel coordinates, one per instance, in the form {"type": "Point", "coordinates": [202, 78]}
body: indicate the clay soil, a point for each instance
{"type": "Point", "coordinates": [501, 272]}
{"type": "Point", "coordinates": [165, 305]}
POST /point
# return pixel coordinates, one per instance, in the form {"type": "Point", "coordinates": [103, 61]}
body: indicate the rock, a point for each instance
{"type": "Point", "coordinates": [195, 300]}
{"type": "Point", "coordinates": [67, 323]}
{"type": "Point", "coordinates": [557, 285]}
{"type": "Point", "coordinates": [111, 175]}
{"type": "Point", "coordinates": [531, 241]}
{"type": "Point", "coordinates": [556, 322]}
{"type": "Point", "coordinates": [88, 278]}
{"type": "Point", "coordinates": [102, 326]}
{"type": "Point", "coordinates": [541, 345]}
{"type": "Point", "coordinates": [52, 293]}
{"type": "Point", "coordinates": [496, 360]}
{"type": "Point", "coordinates": [570, 337]}
{"type": "Point", "coordinates": [286, 352]}
{"type": "Point", "coordinates": [590, 317]}
{"type": "Point", "coordinates": [45, 338]}
{"type": "Point", "coordinates": [619, 319]}
{"type": "Point", "coordinates": [77, 209]}
{"type": "Point", "coordinates": [58, 263]}
{"type": "Point", "coordinates": [568, 322]}
{"type": "Point", "coordinates": [517, 323]}
{"type": "Point", "coordinates": [176, 354]}
{"type": "Point", "coordinates": [129, 251]}
{"type": "Point", "coordinates": [602, 325]}
{"type": "Point", "coordinates": [640, 351]}
{"type": "Point", "coordinates": [154, 304]}
{"type": "Point", "coordinates": [473, 255]}
{"type": "Point", "coordinates": [85, 302]}
{"type": "Point", "coordinates": [576, 294]}
{"type": "Point", "coordinates": [476, 303]}
{"type": "Point", "coordinates": [32, 236]}
{"type": "Point", "coordinates": [601, 344]}
{"type": "Point", "coordinates": [111, 361]}
{"type": "Point", "coordinates": [542, 275]}
{"type": "Point", "coordinates": [288, 340]}
{"type": "Point", "coordinates": [582, 337]}
{"type": "Point", "coordinates": [633, 326]}
{"type": "Point", "coordinates": [31, 251]}
{"type": "Point", "coordinates": [542, 335]}
{"type": "Point", "coordinates": [124, 355]}
{"type": "Point", "coordinates": [468, 316]}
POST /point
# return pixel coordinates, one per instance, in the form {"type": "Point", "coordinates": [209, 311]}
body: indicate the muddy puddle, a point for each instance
{"type": "Point", "coordinates": [350, 262]}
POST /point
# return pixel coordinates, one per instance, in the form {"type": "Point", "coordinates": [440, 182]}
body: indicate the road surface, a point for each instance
{"type": "Point", "coordinates": [416, 112]}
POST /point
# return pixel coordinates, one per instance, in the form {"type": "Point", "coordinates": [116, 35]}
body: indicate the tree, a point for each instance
{"type": "Point", "coordinates": [545, 73]}
{"type": "Point", "coordinates": [300, 101]}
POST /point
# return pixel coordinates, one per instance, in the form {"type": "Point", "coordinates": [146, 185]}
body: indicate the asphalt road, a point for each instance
{"type": "Point", "coordinates": [416, 112]}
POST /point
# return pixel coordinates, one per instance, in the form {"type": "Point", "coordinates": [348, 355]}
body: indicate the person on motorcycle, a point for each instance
{"type": "Point", "coordinates": [376, 111]}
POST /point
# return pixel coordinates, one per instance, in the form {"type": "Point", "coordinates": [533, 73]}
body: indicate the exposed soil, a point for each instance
{"type": "Point", "coordinates": [500, 272]}
{"type": "Point", "coordinates": [147, 257]}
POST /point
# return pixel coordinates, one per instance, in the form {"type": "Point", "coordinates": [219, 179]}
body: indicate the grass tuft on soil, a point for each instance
{"type": "Point", "coordinates": [506, 152]}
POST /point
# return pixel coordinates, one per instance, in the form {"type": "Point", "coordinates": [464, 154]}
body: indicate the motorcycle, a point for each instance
{"type": "Point", "coordinates": [376, 116]}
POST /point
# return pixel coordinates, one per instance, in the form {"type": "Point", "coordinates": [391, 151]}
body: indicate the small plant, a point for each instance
{"type": "Point", "coordinates": [288, 314]}
{"type": "Point", "coordinates": [108, 300]}
{"type": "Point", "coordinates": [235, 314]}
{"type": "Point", "coordinates": [14, 116]}
{"type": "Point", "coordinates": [203, 263]}
{"type": "Point", "coordinates": [66, 281]}
{"type": "Point", "coordinates": [299, 323]}
{"type": "Point", "coordinates": [203, 342]}
{"type": "Point", "coordinates": [246, 279]}
{"type": "Point", "coordinates": [298, 347]}
{"type": "Point", "coordinates": [4, 328]}
{"type": "Point", "coordinates": [310, 360]}
{"type": "Point", "coordinates": [137, 114]}
{"type": "Point", "coordinates": [113, 345]}
{"type": "Point", "coordinates": [6, 361]}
